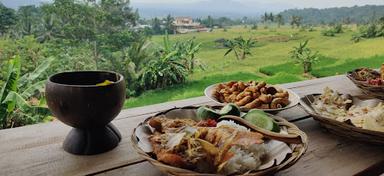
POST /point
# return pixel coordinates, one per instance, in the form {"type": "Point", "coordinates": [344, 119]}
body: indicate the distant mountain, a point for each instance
{"type": "Point", "coordinates": [215, 8]}
{"type": "Point", "coordinates": [356, 14]}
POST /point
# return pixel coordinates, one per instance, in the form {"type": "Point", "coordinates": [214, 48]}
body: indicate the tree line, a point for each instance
{"type": "Point", "coordinates": [347, 15]}
{"type": "Point", "coordinates": [65, 35]}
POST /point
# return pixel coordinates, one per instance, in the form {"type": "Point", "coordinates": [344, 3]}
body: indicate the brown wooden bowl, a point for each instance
{"type": "Point", "coordinates": [74, 99]}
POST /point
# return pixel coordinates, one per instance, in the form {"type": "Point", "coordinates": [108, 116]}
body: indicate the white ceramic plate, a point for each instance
{"type": "Point", "coordinates": [294, 99]}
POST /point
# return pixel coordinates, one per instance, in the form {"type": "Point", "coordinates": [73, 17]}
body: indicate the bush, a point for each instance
{"type": "Point", "coordinates": [254, 27]}
{"type": "Point", "coordinates": [328, 33]}
{"type": "Point", "coordinates": [336, 29]}
{"type": "Point", "coordinates": [372, 30]}
{"type": "Point", "coordinates": [356, 38]}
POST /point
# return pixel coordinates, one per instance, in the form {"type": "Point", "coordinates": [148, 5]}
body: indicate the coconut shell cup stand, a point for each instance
{"type": "Point", "coordinates": [76, 100]}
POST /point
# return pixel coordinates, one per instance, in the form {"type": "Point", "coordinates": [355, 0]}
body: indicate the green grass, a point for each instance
{"type": "Point", "coordinates": [189, 89]}
{"type": "Point", "coordinates": [283, 77]}
{"type": "Point", "coordinates": [348, 65]}
{"type": "Point", "coordinates": [269, 60]}
{"type": "Point", "coordinates": [296, 69]}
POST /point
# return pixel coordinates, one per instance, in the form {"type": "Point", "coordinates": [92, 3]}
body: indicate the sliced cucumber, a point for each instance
{"type": "Point", "coordinates": [262, 120]}
{"type": "Point", "coordinates": [230, 109]}
{"type": "Point", "coordinates": [204, 112]}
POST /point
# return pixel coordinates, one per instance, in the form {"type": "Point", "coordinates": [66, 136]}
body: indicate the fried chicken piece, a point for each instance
{"type": "Point", "coordinates": [162, 124]}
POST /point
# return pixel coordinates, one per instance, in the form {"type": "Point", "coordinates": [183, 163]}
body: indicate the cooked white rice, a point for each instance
{"type": "Point", "coordinates": [231, 123]}
{"type": "Point", "coordinates": [245, 159]}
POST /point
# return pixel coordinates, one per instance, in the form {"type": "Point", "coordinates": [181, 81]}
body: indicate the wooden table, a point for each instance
{"type": "Point", "coordinates": [36, 149]}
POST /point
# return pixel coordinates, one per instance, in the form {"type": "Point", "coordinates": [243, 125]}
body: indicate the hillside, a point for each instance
{"type": "Point", "coordinates": [356, 14]}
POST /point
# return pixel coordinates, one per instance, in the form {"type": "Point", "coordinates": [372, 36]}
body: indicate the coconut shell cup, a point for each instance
{"type": "Point", "coordinates": [76, 100]}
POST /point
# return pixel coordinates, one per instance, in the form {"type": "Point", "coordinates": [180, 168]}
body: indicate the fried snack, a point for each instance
{"type": "Point", "coordinates": [279, 103]}
{"type": "Point", "coordinates": [266, 98]}
{"type": "Point", "coordinates": [254, 104]}
{"type": "Point", "coordinates": [251, 95]}
{"type": "Point", "coordinates": [244, 101]}
{"type": "Point", "coordinates": [382, 71]}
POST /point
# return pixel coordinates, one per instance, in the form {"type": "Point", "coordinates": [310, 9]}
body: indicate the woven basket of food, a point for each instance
{"type": "Point", "coordinates": [218, 141]}
{"type": "Point", "coordinates": [252, 95]}
{"type": "Point", "coordinates": [370, 81]}
{"type": "Point", "coordinates": [351, 117]}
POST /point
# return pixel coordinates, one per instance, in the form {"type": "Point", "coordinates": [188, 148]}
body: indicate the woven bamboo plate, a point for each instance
{"type": "Point", "coordinates": [342, 129]}
{"type": "Point", "coordinates": [370, 90]}
{"type": "Point", "coordinates": [297, 147]}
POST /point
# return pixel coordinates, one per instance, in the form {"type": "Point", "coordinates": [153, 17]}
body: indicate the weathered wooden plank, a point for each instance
{"type": "Point", "coordinates": [316, 81]}
{"type": "Point", "coordinates": [329, 154]}
{"type": "Point", "coordinates": [140, 169]}
{"type": "Point", "coordinates": [376, 169]}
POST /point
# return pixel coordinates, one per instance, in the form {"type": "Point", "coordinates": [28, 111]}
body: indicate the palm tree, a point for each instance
{"type": "Point", "coordinates": [271, 17]}
{"type": "Point", "coordinates": [48, 28]}
{"type": "Point", "coordinates": [27, 17]}
{"type": "Point", "coordinates": [240, 47]}
{"type": "Point", "coordinates": [156, 26]}
{"type": "Point", "coordinates": [169, 24]}
{"type": "Point", "coordinates": [280, 20]}
{"type": "Point", "coordinates": [265, 17]}
{"type": "Point", "coordinates": [209, 21]}
{"type": "Point", "coordinates": [296, 20]}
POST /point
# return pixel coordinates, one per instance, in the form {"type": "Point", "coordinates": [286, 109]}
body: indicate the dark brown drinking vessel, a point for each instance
{"type": "Point", "coordinates": [76, 100]}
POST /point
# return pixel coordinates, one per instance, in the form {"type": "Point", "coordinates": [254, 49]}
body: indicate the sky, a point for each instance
{"type": "Point", "coordinates": [293, 3]}
{"type": "Point", "coordinates": [217, 8]}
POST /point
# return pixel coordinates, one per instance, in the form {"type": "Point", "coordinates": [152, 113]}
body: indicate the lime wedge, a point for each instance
{"type": "Point", "coordinates": [105, 83]}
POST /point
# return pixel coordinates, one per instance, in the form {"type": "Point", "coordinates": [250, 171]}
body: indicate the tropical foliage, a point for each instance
{"type": "Point", "coordinates": [240, 47]}
{"type": "Point", "coordinates": [171, 64]}
{"type": "Point", "coordinates": [335, 29]}
{"type": "Point", "coordinates": [19, 103]}
{"type": "Point", "coordinates": [304, 56]}
{"type": "Point", "coordinates": [296, 21]}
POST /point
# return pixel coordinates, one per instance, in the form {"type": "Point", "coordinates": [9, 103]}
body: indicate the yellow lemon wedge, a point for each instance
{"type": "Point", "coordinates": [105, 83]}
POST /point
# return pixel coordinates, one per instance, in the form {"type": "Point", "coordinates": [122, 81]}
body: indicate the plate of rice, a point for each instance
{"type": "Point", "coordinates": [178, 142]}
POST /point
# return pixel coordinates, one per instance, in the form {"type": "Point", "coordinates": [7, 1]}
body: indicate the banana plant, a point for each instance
{"type": "Point", "coordinates": [303, 55]}
{"type": "Point", "coordinates": [240, 47]}
{"type": "Point", "coordinates": [17, 90]}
